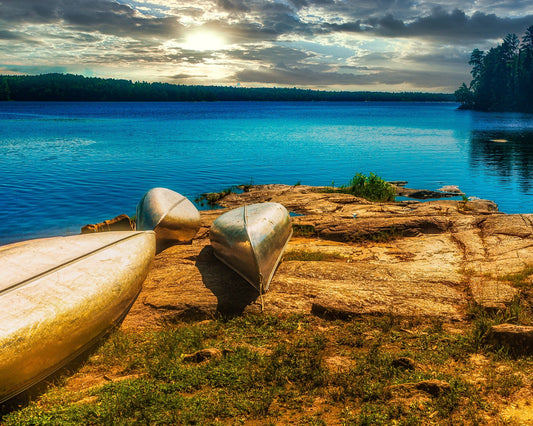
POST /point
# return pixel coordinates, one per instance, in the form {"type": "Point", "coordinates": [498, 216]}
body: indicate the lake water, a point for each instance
{"type": "Point", "coordinates": [63, 165]}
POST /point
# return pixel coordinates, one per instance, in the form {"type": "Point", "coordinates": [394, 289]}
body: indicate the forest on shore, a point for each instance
{"type": "Point", "coordinates": [70, 87]}
{"type": "Point", "coordinates": [502, 78]}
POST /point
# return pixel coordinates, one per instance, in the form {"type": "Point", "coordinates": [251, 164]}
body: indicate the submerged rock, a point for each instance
{"type": "Point", "coordinates": [451, 188]}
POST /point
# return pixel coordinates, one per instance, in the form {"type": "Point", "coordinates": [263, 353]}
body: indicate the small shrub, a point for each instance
{"type": "Point", "coordinates": [212, 198]}
{"type": "Point", "coordinates": [372, 188]}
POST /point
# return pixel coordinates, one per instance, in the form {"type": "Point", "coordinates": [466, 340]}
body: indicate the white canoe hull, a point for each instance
{"type": "Point", "coordinates": [59, 295]}
{"type": "Point", "coordinates": [251, 241]}
{"type": "Point", "coordinates": [171, 215]}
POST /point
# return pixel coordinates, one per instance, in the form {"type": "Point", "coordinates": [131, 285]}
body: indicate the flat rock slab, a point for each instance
{"type": "Point", "coordinates": [517, 338]}
{"type": "Point", "coordinates": [492, 294]}
{"type": "Point", "coordinates": [428, 259]}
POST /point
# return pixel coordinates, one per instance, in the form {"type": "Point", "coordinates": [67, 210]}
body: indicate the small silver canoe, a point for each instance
{"type": "Point", "coordinates": [59, 295]}
{"type": "Point", "coordinates": [251, 240]}
{"type": "Point", "coordinates": [171, 215]}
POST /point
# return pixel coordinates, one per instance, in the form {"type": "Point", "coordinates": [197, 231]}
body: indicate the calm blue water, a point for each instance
{"type": "Point", "coordinates": [63, 165]}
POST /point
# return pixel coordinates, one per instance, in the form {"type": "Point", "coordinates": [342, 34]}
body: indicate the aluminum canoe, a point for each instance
{"type": "Point", "coordinates": [251, 241]}
{"type": "Point", "coordinates": [171, 215]}
{"type": "Point", "coordinates": [59, 295]}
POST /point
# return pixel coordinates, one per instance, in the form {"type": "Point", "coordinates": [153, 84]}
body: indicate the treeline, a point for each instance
{"type": "Point", "coordinates": [502, 78]}
{"type": "Point", "coordinates": [69, 87]}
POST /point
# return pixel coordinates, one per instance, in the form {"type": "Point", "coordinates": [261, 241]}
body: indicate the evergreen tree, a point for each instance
{"type": "Point", "coordinates": [4, 89]}
{"type": "Point", "coordinates": [502, 78]}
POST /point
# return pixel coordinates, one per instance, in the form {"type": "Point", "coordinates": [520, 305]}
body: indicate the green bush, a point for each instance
{"type": "Point", "coordinates": [372, 187]}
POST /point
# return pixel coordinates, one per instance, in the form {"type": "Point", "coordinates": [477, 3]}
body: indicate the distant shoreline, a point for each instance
{"type": "Point", "coordinates": [77, 88]}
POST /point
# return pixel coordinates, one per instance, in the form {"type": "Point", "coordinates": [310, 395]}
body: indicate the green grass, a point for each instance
{"type": "Point", "coordinates": [311, 256]}
{"type": "Point", "coordinates": [522, 279]}
{"type": "Point", "coordinates": [273, 370]}
{"type": "Point", "coordinates": [517, 312]}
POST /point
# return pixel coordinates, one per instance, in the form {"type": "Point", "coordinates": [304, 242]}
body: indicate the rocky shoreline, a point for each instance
{"type": "Point", "coordinates": [350, 257]}
{"type": "Point", "coordinates": [379, 313]}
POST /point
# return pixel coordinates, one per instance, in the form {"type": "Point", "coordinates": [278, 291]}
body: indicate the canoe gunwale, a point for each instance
{"type": "Point", "coordinates": [136, 246]}
{"type": "Point", "coordinates": [40, 275]}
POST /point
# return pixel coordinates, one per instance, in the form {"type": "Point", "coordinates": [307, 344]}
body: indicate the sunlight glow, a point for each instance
{"type": "Point", "coordinates": [204, 40]}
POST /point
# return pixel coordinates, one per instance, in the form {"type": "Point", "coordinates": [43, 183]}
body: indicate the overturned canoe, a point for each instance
{"type": "Point", "coordinates": [171, 215]}
{"type": "Point", "coordinates": [251, 240]}
{"type": "Point", "coordinates": [59, 295]}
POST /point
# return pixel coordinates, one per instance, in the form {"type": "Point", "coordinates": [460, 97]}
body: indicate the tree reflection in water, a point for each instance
{"type": "Point", "coordinates": [508, 152]}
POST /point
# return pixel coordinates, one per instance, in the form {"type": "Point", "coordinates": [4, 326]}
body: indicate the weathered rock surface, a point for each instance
{"type": "Point", "coordinates": [410, 259]}
{"type": "Point", "coordinates": [492, 294]}
{"type": "Point", "coordinates": [120, 223]}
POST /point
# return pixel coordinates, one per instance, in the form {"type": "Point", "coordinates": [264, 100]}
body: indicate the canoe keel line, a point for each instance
{"type": "Point", "coordinates": [251, 241]}
{"type": "Point", "coordinates": [171, 215]}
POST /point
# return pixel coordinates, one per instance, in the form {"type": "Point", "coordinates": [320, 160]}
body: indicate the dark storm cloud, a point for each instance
{"type": "Point", "coordinates": [107, 17]}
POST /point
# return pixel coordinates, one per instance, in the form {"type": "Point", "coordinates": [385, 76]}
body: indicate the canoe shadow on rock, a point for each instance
{"type": "Point", "coordinates": [234, 294]}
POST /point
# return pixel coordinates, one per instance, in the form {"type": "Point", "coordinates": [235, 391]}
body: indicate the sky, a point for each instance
{"type": "Point", "coordinates": [376, 45]}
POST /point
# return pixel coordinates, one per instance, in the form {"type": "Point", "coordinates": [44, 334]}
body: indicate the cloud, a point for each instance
{"type": "Point", "coordinates": [455, 26]}
{"type": "Point", "coordinates": [10, 35]}
{"type": "Point", "coordinates": [177, 78]}
{"type": "Point", "coordinates": [233, 5]}
{"type": "Point", "coordinates": [360, 77]}
{"type": "Point", "coordinates": [293, 76]}
{"type": "Point", "coordinates": [106, 17]}
{"type": "Point", "coordinates": [271, 54]}
{"type": "Point", "coordinates": [312, 43]}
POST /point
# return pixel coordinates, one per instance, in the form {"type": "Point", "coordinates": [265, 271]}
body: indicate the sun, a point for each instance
{"type": "Point", "coordinates": [204, 40]}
